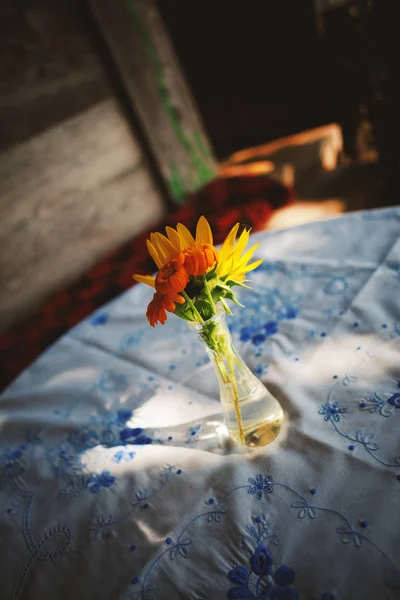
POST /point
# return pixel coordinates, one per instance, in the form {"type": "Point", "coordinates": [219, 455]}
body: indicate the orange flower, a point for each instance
{"type": "Point", "coordinates": [159, 304]}
{"type": "Point", "coordinates": [172, 277]}
{"type": "Point", "coordinates": [164, 249]}
{"type": "Point", "coordinates": [199, 258]}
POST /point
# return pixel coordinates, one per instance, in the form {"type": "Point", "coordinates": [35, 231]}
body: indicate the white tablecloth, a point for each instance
{"type": "Point", "coordinates": [108, 487]}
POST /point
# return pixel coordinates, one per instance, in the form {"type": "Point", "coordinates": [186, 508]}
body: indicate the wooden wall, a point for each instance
{"type": "Point", "coordinates": [74, 181]}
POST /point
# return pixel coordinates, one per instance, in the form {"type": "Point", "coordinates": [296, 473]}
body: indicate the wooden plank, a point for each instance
{"type": "Point", "coordinates": [159, 93]}
{"type": "Point", "coordinates": [49, 69]}
{"type": "Point", "coordinates": [67, 197]}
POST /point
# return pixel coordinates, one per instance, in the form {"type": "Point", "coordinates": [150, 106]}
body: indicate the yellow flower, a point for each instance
{"type": "Point", "coordinates": [232, 264]}
{"type": "Point", "coordinates": [163, 249]}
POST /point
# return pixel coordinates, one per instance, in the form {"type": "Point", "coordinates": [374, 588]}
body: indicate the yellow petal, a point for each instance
{"type": "Point", "coordinates": [247, 256]}
{"type": "Point", "coordinates": [154, 254]}
{"type": "Point", "coordinates": [188, 239]}
{"type": "Point", "coordinates": [242, 242]}
{"type": "Point", "coordinates": [224, 268]}
{"type": "Point", "coordinates": [174, 238]}
{"type": "Point", "coordinates": [203, 232]}
{"type": "Point", "coordinates": [147, 279]}
{"type": "Point", "coordinates": [227, 246]}
{"type": "Point", "coordinates": [246, 269]}
{"type": "Point", "coordinates": [165, 249]}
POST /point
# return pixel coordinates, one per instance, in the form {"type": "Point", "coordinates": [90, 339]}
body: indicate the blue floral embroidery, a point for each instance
{"type": "Point", "coordinates": [349, 535]}
{"type": "Point", "coordinates": [395, 400]}
{"type": "Point", "coordinates": [305, 509]}
{"type": "Point", "coordinates": [99, 319]}
{"type": "Point", "coordinates": [97, 482]}
{"type": "Point", "coordinates": [272, 327]}
{"type": "Point", "coordinates": [110, 381]}
{"type": "Point", "coordinates": [134, 436]}
{"type": "Point", "coordinates": [262, 581]}
{"type": "Point", "coordinates": [260, 485]}
{"type": "Point", "coordinates": [332, 411]}
{"type": "Point", "coordinates": [123, 455]}
{"type": "Point", "coordinates": [193, 434]}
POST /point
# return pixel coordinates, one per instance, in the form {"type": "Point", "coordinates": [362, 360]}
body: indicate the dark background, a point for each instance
{"type": "Point", "coordinates": [261, 69]}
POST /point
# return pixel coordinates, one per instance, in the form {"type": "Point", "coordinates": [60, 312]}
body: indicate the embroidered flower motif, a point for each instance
{"type": "Point", "coordinates": [97, 482]}
{"type": "Point", "coordinates": [271, 327]}
{"type": "Point", "coordinates": [261, 561]}
{"type": "Point", "coordinates": [181, 548]}
{"type": "Point", "coordinates": [395, 400]}
{"type": "Point", "coordinates": [123, 455]}
{"type": "Point", "coordinates": [260, 582]}
{"type": "Point", "coordinates": [284, 575]}
{"type": "Point", "coordinates": [123, 415]}
{"type": "Point", "coordinates": [99, 319]}
{"type": "Point", "coordinates": [246, 333]}
{"type": "Point", "coordinates": [367, 439]}
{"type": "Point", "coordinates": [375, 403]}
{"type": "Point", "coordinates": [216, 514]}
{"type": "Point", "coordinates": [332, 411]}
{"type": "Point", "coordinates": [239, 575]}
{"type": "Point", "coordinates": [193, 433]}
{"type": "Point", "coordinates": [258, 338]}
{"type": "Point", "coordinates": [111, 381]}
{"type": "Point", "coordinates": [134, 436]}
{"type": "Point", "coordinates": [305, 509]}
{"type": "Point", "coordinates": [260, 484]}
{"type": "Point", "coordinates": [350, 535]}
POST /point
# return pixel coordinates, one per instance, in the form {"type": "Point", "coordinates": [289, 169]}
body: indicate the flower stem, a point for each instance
{"type": "Point", "coordinates": [192, 306]}
{"type": "Point", "coordinates": [209, 296]}
{"type": "Point", "coordinates": [242, 438]}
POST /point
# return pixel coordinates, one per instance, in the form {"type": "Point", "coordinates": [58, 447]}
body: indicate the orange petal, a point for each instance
{"type": "Point", "coordinates": [168, 304]}
{"type": "Point", "coordinates": [180, 260]}
{"type": "Point", "coordinates": [210, 256]}
{"type": "Point", "coordinates": [202, 261]}
{"type": "Point", "coordinates": [178, 281]}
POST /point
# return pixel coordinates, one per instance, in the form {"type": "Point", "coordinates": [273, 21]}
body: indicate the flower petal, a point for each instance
{"type": "Point", "coordinates": [203, 232]}
{"type": "Point", "coordinates": [178, 281]}
{"type": "Point", "coordinates": [227, 246]}
{"type": "Point", "coordinates": [154, 254]}
{"type": "Point", "coordinates": [186, 236]}
{"type": "Point", "coordinates": [174, 238]}
{"type": "Point", "coordinates": [147, 279]}
{"type": "Point", "coordinates": [165, 247]}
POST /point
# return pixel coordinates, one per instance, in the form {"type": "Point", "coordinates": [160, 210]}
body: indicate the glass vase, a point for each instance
{"type": "Point", "coordinates": [252, 415]}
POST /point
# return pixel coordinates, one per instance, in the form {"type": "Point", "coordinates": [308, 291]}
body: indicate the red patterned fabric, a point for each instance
{"type": "Point", "coordinates": [224, 202]}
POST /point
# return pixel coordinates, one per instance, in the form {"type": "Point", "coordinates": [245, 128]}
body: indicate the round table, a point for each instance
{"type": "Point", "coordinates": [110, 489]}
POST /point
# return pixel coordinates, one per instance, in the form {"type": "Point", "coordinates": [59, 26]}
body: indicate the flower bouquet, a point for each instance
{"type": "Point", "coordinates": [194, 282]}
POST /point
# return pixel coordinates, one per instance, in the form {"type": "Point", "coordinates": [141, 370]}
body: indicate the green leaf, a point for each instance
{"type": "Point", "coordinates": [226, 308]}
{"type": "Point", "coordinates": [233, 282]}
{"type": "Point", "coordinates": [231, 296]}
